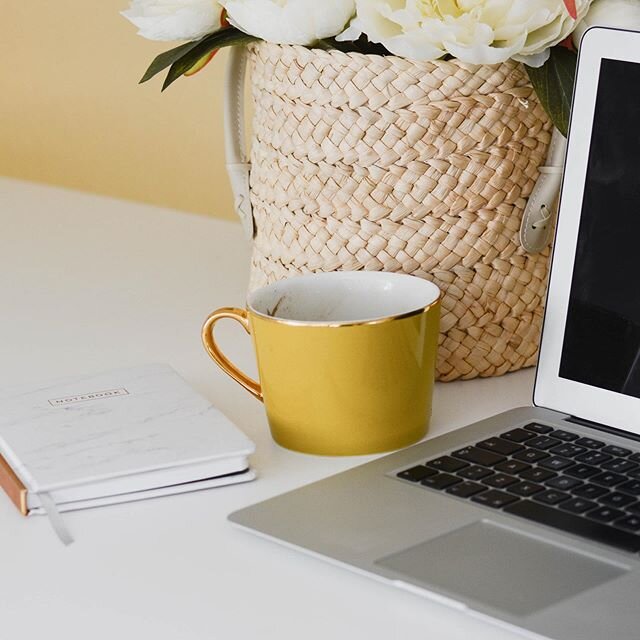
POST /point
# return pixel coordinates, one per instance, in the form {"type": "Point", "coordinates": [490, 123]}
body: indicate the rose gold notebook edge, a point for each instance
{"type": "Point", "coordinates": [13, 486]}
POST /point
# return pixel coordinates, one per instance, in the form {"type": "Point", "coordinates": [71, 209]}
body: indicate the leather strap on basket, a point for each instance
{"type": "Point", "coordinates": [537, 220]}
{"type": "Point", "coordinates": [536, 228]}
{"type": "Point", "coordinates": [238, 166]}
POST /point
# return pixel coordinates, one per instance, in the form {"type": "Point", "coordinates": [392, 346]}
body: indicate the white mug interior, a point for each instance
{"type": "Point", "coordinates": [344, 297]}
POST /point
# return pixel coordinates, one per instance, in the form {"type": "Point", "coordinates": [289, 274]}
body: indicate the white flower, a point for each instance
{"type": "Point", "coordinates": [475, 31]}
{"type": "Point", "coordinates": [624, 14]}
{"type": "Point", "coordinates": [290, 21]}
{"type": "Point", "coordinates": [174, 19]}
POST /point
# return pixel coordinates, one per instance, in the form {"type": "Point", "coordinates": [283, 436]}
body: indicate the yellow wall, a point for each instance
{"type": "Point", "coordinates": [72, 113]}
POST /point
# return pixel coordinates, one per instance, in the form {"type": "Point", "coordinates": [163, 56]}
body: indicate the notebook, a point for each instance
{"type": "Point", "coordinates": [114, 437]}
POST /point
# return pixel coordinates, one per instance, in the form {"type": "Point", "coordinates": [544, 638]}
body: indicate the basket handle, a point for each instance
{"type": "Point", "coordinates": [541, 208]}
{"type": "Point", "coordinates": [537, 220]}
{"type": "Point", "coordinates": [238, 165]}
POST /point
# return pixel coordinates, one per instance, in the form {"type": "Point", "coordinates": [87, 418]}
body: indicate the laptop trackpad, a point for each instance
{"type": "Point", "coordinates": [500, 568]}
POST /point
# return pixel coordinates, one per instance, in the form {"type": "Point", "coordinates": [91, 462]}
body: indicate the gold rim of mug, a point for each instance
{"type": "Point", "coordinates": [354, 323]}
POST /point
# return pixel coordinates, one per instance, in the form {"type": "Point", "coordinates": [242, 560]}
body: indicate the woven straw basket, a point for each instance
{"type": "Point", "coordinates": [381, 163]}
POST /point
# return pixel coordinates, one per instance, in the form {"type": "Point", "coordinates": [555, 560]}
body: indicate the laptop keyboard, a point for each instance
{"type": "Point", "coordinates": [550, 476]}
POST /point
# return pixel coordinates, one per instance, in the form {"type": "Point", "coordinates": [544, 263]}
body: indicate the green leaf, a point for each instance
{"type": "Point", "coordinates": [553, 82]}
{"type": "Point", "coordinates": [224, 38]}
{"type": "Point", "coordinates": [167, 58]}
{"type": "Point", "coordinates": [361, 45]}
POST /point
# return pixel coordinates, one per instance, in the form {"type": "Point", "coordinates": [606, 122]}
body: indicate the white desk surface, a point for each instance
{"type": "Point", "coordinates": [89, 284]}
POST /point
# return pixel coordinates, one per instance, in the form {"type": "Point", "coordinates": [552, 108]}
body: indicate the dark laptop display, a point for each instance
{"type": "Point", "coordinates": [602, 336]}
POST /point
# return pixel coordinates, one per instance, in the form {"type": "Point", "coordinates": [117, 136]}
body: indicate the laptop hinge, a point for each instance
{"type": "Point", "coordinates": [604, 428]}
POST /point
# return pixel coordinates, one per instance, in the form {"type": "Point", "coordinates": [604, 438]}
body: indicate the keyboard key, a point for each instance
{"type": "Point", "coordinates": [616, 451]}
{"type": "Point", "coordinates": [578, 505]}
{"type": "Point", "coordinates": [466, 489]}
{"type": "Point", "coordinates": [633, 508]}
{"type": "Point", "coordinates": [608, 479]}
{"type": "Point", "coordinates": [588, 442]}
{"type": "Point", "coordinates": [567, 436]}
{"type": "Point", "coordinates": [564, 483]}
{"type": "Point", "coordinates": [500, 480]}
{"type": "Point", "coordinates": [447, 464]}
{"type": "Point", "coordinates": [478, 456]}
{"type": "Point", "coordinates": [604, 514]}
{"type": "Point", "coordinates": [526, 488]}
{"type": "Point", "coordinates": [576, 525]}
{"type": "Point", "coordinates": [582, 471]}
{"type": "Point", "coordinates": [494, 498]}
{"type": "Point", "coordinates": [530, 455]}
{"type": "Point", "coordinates": [415, 474]}
{"type": "Point", "coordinates": [635, 457]}
{"type": "Point", "coordinates": [568, 450]}
{"type": "Point", "coordinates": [536, 474]}
{"type": "Point", "coordinates": [538, 428]}
{"type": "Point", "coordinates": [631, 486]}
{"type": "Point", "coordinates": [474, 472]}
{"type": "Point", "coordinates": [616, 499]}
{"type": "Point", "coordinates": [440, 481]}
{"type": "Point", "coordinates": [556, 463]}
{"type": "Point", "coordinates": [543, 442]}
{"type": "Point", "coordinates": [634, 473]}
{"type": "Point", "coordinates": [512, 466]}
{"type": "Point", "coordinates": [517, 435]}
{"type": "Point", "coordinates": [593, 457]}
{"type": "Point", "coordinates": [498, 445]}
{"type": "Point", "coordinates": [551, 496]}
{"type": "Point", "coordinates": [620, 465]}
{"type": "Point", "coordinates": [590, 491]}
{"type": "Point", "coordinates": [628, 522]}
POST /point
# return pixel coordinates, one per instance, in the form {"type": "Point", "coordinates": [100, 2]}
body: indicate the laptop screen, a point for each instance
{"type": "Point", "coordinates": [601, 344]}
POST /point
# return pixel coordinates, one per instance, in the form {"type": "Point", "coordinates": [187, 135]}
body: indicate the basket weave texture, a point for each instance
{"type": "Point", "coordinates": [381, 163]}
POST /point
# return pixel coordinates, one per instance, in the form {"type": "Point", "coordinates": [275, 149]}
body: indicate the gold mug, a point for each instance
{"type": "Point", "coordinates": [346, 360]}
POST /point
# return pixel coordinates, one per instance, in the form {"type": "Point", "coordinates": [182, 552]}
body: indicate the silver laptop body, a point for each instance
{"type": "Point", "coordinates": [532, 517]}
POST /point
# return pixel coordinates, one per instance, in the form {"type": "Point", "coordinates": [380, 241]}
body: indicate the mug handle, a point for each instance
{"type": "Point", "coordinates": [241, 316]}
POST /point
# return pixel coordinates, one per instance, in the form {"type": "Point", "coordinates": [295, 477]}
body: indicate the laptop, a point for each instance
{"type": "Point", "coordinates": [532, 517]}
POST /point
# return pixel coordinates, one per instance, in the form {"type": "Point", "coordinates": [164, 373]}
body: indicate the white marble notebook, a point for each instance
{"type": "Point", "coordinates": [114, 437]}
